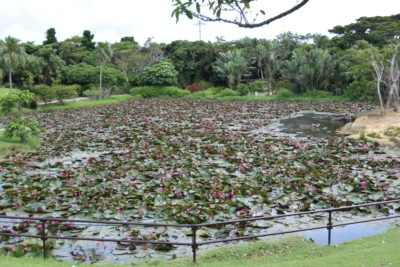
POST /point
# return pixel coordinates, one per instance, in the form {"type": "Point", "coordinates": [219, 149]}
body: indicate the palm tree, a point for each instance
{"type": "Point", "coordinates": [233, 65]}
{"type": "Point", "coordinates": [104, 53]}
{"type": "Point", "coordinates": [12, 56]}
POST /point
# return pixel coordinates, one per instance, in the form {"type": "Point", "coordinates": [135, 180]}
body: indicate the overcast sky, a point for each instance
{"type": "Point", "coordinates": [28, 20]}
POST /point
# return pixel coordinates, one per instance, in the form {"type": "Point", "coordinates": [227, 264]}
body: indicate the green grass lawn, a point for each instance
{"type": "Point", "coordinates": [379, 250]}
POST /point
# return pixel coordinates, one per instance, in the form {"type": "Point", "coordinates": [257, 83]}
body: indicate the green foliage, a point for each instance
{"type": "Point", "coordinates": [158, 91]}
{"type": "Point", "coordinates": [12, 56]}
{"type": "Point", "coordinates": [360, 90]}
{"type": "Point", "coordinates": [392, 131]}
{"type": "Point", "coordinates": [44, 92]}
{"type": "Point", "coordinates": [283, 94]}
{"type": "Point", "coordinates": [160, 74]}
{"type": "Point", "coordinates": [16, 99]}
{"type": "Point", "coordinates": [86, 75]}
{"type": "Point", "coordinates": [21, 128]}
{"type": "Point", "coordinates": [233, 66]}
{"type": "Point", "coordinates": [313, 69]}
{"type": "Point", "coordinates": [375, 30]}
{"type": "Point", "coordinates": [227, 92]}
{"type": "Point", "coordinates": [63, 92]}
{"type": "Point", "coordinates": [243, 89]}
{"type": "Point", "coordinates": [258, 86]}
{"type": "Point", "coordinates": [50, 36]}
{"type": "Point", "coordinates": [205, 84]}
{"type": "Point", "coordinates": [193, 60]}
{"type": "Point", "coordinates": [285, 84]}
{"type": "Point", "coordinates": [87, 40]}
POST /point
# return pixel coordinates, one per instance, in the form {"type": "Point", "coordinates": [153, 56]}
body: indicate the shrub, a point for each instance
{"type": "Point", "coordinates": [172, 91]}
{"type": "Point", "coordinates": [283, 94]}
{"type": "Point", "coordinates": [194, 87]}
{"type": "Point", "coordinates": [64, 92]}
{"type": "Point", "coordinates": [227, 92]}
{"type": "Point", "coordinates": [316, 94]}
{"type": "Point", "coordinates": [162, 73]}
{"type": "Point", "coordinates": [258, 86]}
{"type": "Point", "coordinates": [44, 92]}
{"type": "Point", "coordinates": [21, 128]}
{"type": "Point", "coordinates": [92, 92]}
{"type": "Point", "coordinates": [243, 89]}
{"type": "Point", "coordinates": [155, 91]}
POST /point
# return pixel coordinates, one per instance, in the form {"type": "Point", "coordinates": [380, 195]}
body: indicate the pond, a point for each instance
{"type": "Point", "coordinates": [188, 161]}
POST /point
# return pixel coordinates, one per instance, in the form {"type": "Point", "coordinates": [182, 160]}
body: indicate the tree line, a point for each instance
{"type": "Point", "coordinates": [340, 65]}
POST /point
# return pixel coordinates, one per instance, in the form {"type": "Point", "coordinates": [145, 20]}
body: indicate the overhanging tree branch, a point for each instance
{"type": "Point", "coordinates": [217, 7]}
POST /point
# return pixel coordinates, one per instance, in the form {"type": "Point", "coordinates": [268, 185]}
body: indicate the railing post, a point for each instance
{"type": "Point", "coordinates": [194, 244]}
{"type": "Point", "coordinates": [329, 227]}
{"type": "Point", "coordinates": [43, 237]}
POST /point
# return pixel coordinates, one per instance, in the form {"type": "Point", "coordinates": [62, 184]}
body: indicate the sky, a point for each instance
{"type": "Point", "coordinates": [108, 20]}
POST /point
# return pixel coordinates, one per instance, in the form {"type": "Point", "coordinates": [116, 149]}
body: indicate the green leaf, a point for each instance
{"type": "Point", "coordinates": [198, 7]}
{"type": "Point", "coordinates": [188, 14]}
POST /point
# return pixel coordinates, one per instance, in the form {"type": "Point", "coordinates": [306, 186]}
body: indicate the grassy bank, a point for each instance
{"type": "Point", "coordinates": [89, 103]}
{"type": "Point", "coordinates": [13, 145]}
{"type": "Point", "coordinates": [378, 250]}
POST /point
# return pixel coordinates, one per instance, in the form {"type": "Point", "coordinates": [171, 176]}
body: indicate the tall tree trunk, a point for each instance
{"type": "Point", "coordinates": [10, 78]}
{"type": "Point", "coordinates": [101, 81]}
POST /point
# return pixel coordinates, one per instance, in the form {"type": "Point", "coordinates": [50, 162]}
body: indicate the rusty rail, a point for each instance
{"type": "Point", "coordinates": [194, 227]}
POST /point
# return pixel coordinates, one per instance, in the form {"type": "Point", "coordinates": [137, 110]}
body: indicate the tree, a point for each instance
{"type": "Point", "coordinates": [233, 66]}
{"type": "Point", "coordinates": [21, 128]}
{"type": "Point", "coordinates": [12, 56]}
{"type": "Point", "coordinates": [50, 37]}
{"type": "Point", "coordinates": [311, 70]}
{"type": "Point", "coordinates": [16, 99]}
{"type": "Point", "coordinates": [104, 53]}
{"type": "Point", "coordinates": [193, 60]}
{"type": "Point", "coordinates": [52, 65]}
{"type": "Point", "coordinates": [237, 12]}
{"type": "Point", "coordinates": [87, 75]}
{"type": "Point", "coordinates": [162, 73]}
{"type": "Point", "coordinates": [377, 31]}
{"type": "Point", "coordinates": [387, 72]}
{"type": "Point", "coordinates": [87, 40]}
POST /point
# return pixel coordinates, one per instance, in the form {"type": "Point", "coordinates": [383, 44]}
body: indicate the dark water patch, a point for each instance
{"type": "Point", "coordinates": [313, 124]}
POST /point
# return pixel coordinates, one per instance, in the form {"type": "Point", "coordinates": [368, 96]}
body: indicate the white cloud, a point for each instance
{"type": "Point", "coordinates": [110, 20]}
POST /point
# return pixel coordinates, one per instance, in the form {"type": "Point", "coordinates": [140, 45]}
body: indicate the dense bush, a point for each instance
{"type": "Point", "coordinates": [156, 91]}
{"type": "Point", "coordinates": [162, 73]}
{"type": "Point", "coordinates": [63, 92]}
{"type": "Point", "coordinates": [360, 90]}
{"type": "Point", "coordinates": [258, 86]}
{"type": "Point", "coordinates": [243, 89]}
{"type": "Point", "coordinates": [283, 94]}
{"type": "Point", "coordinates": [43, 92]}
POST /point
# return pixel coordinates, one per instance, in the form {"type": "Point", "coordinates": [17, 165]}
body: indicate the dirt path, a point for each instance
{"type": "Point", "coordinates": [372, 126]}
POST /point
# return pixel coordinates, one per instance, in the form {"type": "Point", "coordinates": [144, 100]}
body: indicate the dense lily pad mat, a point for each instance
{"type": "Point", "coordinates": [186, 161]}
{"type": "Point", "coordinates": [379, 250]}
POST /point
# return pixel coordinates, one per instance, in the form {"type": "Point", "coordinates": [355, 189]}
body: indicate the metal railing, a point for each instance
{"type": "Point", "coordinates": [194, 227]}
